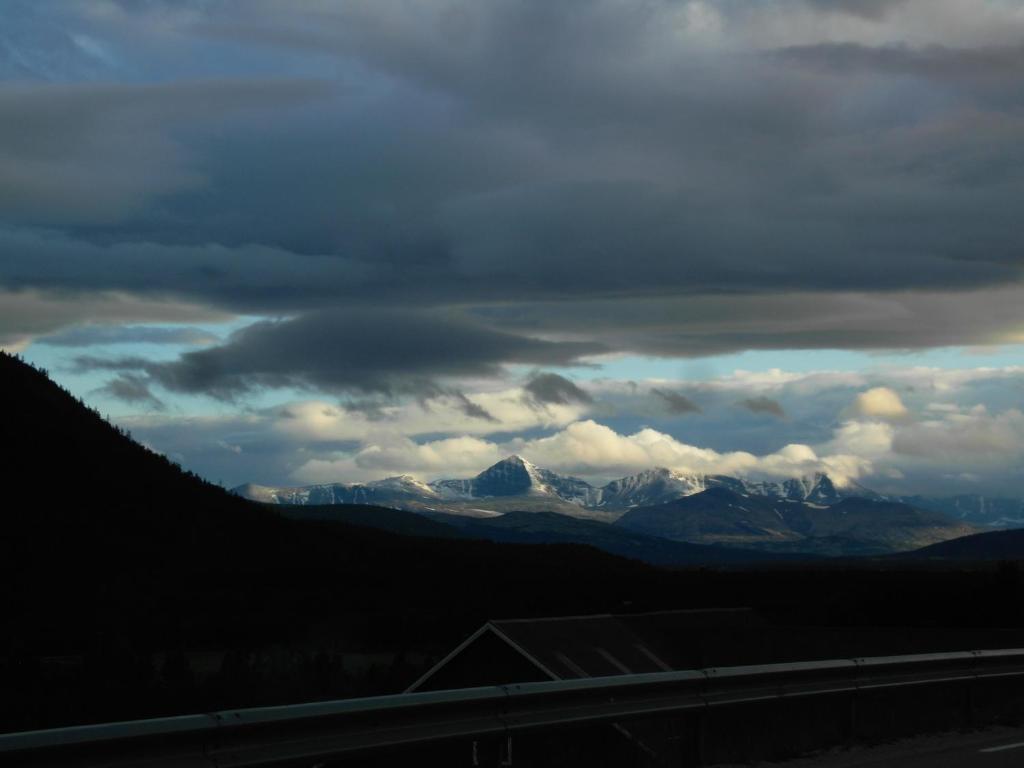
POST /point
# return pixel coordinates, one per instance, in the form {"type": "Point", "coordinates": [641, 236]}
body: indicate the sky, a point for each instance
{"type": "Point", "coordinates": [345, 239]}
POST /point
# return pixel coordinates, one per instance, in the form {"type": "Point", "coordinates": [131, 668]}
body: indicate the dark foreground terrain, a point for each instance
{"type": "Point", "coordinates": [171, 595]}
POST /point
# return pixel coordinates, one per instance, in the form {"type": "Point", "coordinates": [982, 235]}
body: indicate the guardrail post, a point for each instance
{"type": "Point", "coordinates": [970, 691]}
{"type": "Point", "coordinates": [700, 736]}
{"type": "Point", "coordinates": [851, 736]}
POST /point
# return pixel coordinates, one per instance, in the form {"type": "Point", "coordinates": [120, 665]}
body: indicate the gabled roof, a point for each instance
{"type": "Point", "coordinates": [572, 647]}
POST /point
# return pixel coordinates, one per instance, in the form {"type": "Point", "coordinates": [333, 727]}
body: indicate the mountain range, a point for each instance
{"type": "Point", "coordinates": [516, 484]}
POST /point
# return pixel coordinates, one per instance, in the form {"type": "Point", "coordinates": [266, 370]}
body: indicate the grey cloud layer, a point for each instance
{"type": "Point", "coordinates": [98, 335]}
{"type": "Point", "coordinates": [491, 151]}
{"type": "Point", "coordinates": [99, 152]}
{"type": "Point", "coordinates": [27, 314]}
{"type": "Point", "coordinates": [712, 325]}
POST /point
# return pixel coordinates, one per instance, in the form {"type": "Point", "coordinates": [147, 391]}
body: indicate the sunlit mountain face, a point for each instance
{"type": "Point", "coordinates": [763, 241]}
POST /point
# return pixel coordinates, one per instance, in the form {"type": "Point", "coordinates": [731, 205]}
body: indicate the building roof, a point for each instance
{"type": "Point", "coordinates": [573, 647]}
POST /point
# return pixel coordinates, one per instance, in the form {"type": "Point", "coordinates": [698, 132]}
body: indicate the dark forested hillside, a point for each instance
{"type": "Point", "coordinates": [55, 447]}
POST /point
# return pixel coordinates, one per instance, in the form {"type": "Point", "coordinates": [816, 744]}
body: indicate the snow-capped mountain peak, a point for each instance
{"type": "Point", "coordinates": [652, 486]}
{"type": "Point", "coordinates": [513, 476]}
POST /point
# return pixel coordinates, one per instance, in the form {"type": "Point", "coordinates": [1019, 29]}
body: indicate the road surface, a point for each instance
{"type": "Point", "coordinates": [992, 748]}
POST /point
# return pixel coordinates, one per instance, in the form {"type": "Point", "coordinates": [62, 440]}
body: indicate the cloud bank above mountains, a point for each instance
{"type": "Point", "coordinates": [403, 211]}
{"type": "Point", "coordinates": [919, 434]}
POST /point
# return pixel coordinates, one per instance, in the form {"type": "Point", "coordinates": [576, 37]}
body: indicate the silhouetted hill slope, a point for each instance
{"type": "Point", "coordinates": [168, 557]}
{"type": "Point", "coordinates": [551, 527]}
{"type": "Point", "coordinates": [53, 444]}
{"type": "Point", "coordinates": [994, 545]}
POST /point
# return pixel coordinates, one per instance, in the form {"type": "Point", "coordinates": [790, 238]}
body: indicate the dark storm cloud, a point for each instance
{"type": "Point", "coordinates": [471, 409]}
{"type": "Point", "coordinates": [676, 403]}
{"type": "Point", "coordinates": [369, 408]}
{"type": "Point", "coordinates": [391, 352]}
{"type": "Point", "coordinates": [993, 64]}
{"type": "Point", "coordinates": [248, 278]}
{"type": "Point", "coordinates": [73, 154]}
{"type": "Point", "coordinates": [869, 9]}
{"type": "Point", "coordinates": [764, 405]}
{"type": "Point", "coordinates": [550, 388]}
{"type": "Point", "coordinates": [132, 389]}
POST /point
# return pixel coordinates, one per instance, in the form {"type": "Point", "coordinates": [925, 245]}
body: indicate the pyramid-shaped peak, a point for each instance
{"type": "Point", "coordinates": [513, 463]}
{"type": "Point", "coordinates": [509, 477]}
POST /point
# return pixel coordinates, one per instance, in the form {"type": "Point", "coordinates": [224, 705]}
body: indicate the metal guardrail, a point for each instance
{"type": "Point", "coordinates": [306, 734]}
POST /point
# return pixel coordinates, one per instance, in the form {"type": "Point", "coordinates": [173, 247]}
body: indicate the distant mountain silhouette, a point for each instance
{"type": "Point", "coordinates": [851, 526]}
{"type": "Point", "coordinates": [976, 509]}
{"type": "Point", "coordinates": [992, 545]}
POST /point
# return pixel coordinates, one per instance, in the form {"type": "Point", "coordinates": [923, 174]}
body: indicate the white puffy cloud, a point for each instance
{"type": "Point", "coordinates": [583, 448]}
{"type": "Point", "coordinates": [868, 439]}
{"type": "Point", "coordinates": [880, 403]}
{"type": "Point", "coordinates": [944, 450]}
{"type": "Point", "coordinates": [398, 456]}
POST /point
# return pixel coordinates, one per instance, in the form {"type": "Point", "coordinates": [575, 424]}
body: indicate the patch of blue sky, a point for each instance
{"type": "Point", "coordinates": [634, 367]}
{"type": "Point", "coordinates": [88, 383]}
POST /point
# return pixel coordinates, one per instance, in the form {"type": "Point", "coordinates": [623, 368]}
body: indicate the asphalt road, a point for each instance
{"type": "Point", "coordinates": [993, 748]}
